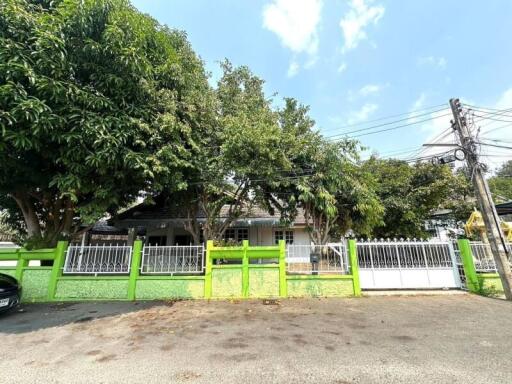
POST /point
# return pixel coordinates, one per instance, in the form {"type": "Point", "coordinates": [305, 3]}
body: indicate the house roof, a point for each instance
{"type": "Point", "coordinates": [504, 208]}
{"type": "Point", "coordinates": [102, 227]}
{"type": "Point", "coordinates": [165, 212]}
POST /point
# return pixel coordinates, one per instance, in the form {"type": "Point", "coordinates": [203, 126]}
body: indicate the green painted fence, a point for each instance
{"type": "Point", "coordinates": [242, 277]}
{"type": "Point", "coordinates": [477, 282]}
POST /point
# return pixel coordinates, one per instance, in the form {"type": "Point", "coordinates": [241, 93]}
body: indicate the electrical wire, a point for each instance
{"type": "Point", "coordinates": [392, 128]}
{"type": "Point", "coordinates": [392, 116]}
{"type": "Point", "coordinates": [390, 123]}
{"type": "Point", "coordinates": [494, 145]}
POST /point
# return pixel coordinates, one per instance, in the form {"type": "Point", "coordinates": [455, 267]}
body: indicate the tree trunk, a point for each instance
{"type": "Point", "coordinates": [29, 215]}
{"type": "Point", "coordinates": [192, 225]}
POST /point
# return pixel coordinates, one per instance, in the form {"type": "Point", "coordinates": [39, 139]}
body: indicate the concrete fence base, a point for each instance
{"type": "Point", "coordinates": [220, 281]}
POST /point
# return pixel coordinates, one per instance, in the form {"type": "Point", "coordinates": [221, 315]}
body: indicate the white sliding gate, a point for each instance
{"type": "Point", "coordinates": [407, 265]}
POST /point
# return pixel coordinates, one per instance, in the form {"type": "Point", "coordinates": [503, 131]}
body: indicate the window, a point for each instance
{"type": "Point", "coordinates": [242, 234]}
{"type": "Point", "coordinates": [157, 240]}
{"type": "Point", "coordinates": [236, 234]}
{"type": "Point", "coordinates": [287, 236]}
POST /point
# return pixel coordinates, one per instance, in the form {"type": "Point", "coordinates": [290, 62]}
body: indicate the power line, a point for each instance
{"type": "Point", "coordinates": [490, 109]}
{"type": "Point", "coordinates": [393, 128]}
{"type": "Point", "coordinates": [494, 145]}
{"type": "Point", "coordinates": [493, 119]}
{"type": "Point", "coordinates": [390, 123]}
{"type": "Point", "coordinates": [496, 140]}
{"type": "Point", "coordinates": [497, 128]}
{"type": "Point", "coordinates": [391, 116]}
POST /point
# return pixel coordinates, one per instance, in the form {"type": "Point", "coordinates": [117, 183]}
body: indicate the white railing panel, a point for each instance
{"type": "Point", "coordinates": [98, 259]}
{"type": "Point", "coordinates": [332, 258]}
{"type": "Point", "coordinates": [483, 258]}
{"type": "Point", "coordinates": [174, 259]}
{"type": "Point", "coordinates": [404, 254]}
{"type": "Point", "coordinates": [405, 264]}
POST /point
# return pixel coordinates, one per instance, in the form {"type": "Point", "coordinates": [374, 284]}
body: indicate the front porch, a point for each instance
{"type": "Point", "coordinates": [258, 235]}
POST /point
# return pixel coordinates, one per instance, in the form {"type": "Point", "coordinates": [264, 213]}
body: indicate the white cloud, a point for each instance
{"type": "Point", "coordinates": [355, 21]}
{"type": "Point", "coordinates": [370, 89]}
{"type": "Point", "coordinates": [419, 102]}
{"type": "Point", "coordinates": [419, 111]}
{"type": "Point", "coordinates": [366, 91]}
{"type": "Point", "coordinates": [342, 67]}
{"type": "Point", "coordinates": [311, 62]}
{"type": "Point", "coordinates": [362, 114]}
{"type": "Point", "coordinates": [295, 22]}
{"type": "Point", "coordinates": [293, 69]}
{"type": "Point", "coordinates": [505, 100]}
{"type": "Point", "coordinates": [436, 62]}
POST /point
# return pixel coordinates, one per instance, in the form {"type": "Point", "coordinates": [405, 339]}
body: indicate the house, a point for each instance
{"type": "Point", "coordinates": [162, 224]}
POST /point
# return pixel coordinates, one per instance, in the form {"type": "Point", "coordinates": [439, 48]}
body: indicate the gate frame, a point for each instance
{"type": "Point", "coordinates": [394, 246]}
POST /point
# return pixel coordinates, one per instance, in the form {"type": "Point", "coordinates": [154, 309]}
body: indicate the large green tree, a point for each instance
{"type": "Point", "coordinates": [326, 180]}
{"type": "Point", "coordinates": [338, 195]}
{"type": "Point", "coordinates": [239, 154]}
{"type": "Point", "coordinates": [501, 183]}
{"type": "Point", "coordinates": [97, 103]}
{"type": "Point", "coordinates": [409, 194]}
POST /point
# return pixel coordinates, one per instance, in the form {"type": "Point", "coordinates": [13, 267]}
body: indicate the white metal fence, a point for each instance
{"type": "Point", "coordinates": [98, 259]}
{"type": "Point", "coordinates": [404, 264]}
{"type": "Point", "coordinates": [483, 258]}
{"type": "Point", "coordinates": [170, 260]}
{"type": "Point", "coordinates": [404, 254]}
{"type": "Point", "coordinates": [312, 259]}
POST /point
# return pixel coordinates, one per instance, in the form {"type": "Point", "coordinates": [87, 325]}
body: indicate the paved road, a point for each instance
{"type": "Point", "coordinates": [429, 339]}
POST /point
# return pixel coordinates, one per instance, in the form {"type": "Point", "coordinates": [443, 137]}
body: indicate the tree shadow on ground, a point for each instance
{"type": "Point", "coordinates": [32, 317]}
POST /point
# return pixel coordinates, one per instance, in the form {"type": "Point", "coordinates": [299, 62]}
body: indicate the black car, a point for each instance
{"type": "Point", "coordinates": [10, 292]}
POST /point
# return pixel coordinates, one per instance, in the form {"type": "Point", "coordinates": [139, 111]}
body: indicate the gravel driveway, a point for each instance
{"type": "Point", "coordinates": [420, 339]}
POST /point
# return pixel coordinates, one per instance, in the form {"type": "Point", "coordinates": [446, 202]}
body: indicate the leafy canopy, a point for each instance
{"type": "Point", "coordinates": [409, 194]}
{"type": "Point", "coordinates": [98, 102]}
{"type": "Point", "coordinates": [501, 183]}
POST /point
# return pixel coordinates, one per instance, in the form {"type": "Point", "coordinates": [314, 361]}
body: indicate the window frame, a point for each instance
{"type": "Point", "coordinates": [288, 235]}
{"type": "Point", "coordinates": [239, 234]}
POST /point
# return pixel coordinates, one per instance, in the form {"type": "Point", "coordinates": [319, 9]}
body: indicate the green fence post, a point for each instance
{"type": "Point", "coordinates": [208, 271]}
{"type": "Point", "coordinates": [245, 269]}
{"type": "Point", "coordinates": [466, 255]}
{"type": "Point", "coordinates": [134, 269]}
{"type": "Point", "coordinates": [58, 264]}
{"type": "Point", "coordinates": [354, 266]}
{"type": "Point", "coordinates": [20, 265]}
{"type": "Point", "coordinates": [283, 289]}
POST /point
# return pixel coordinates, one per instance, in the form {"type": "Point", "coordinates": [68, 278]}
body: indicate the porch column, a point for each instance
{"type": "Point", "coordinates": [131, 236]}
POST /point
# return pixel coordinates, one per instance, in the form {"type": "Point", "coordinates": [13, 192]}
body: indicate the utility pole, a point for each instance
{"type": "Point", "coordinates": [495, 235]}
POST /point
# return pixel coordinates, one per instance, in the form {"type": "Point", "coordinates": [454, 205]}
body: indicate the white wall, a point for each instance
{"type": "Point", "coordinates": [257, 235]}
{"type": "Point", "coordinates": [265, 236]}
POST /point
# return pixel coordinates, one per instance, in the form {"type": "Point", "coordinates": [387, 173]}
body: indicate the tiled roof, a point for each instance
{"type": "Point", "coordinates": [164, 212]}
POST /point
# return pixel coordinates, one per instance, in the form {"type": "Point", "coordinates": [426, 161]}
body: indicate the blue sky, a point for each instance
{"type": "Point", "coordinates": [353, 61]}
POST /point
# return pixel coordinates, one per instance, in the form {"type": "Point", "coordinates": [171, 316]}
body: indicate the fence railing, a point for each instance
{"type": "Point", "coordinates": [170, 260]}
{"type": "Point", "coordinates": [98, 259]}
{"type": "Point", "coordinates": [483, 258]}
{"type": "Point", "coordinates": [400, 254]}
{"type": "Point", "coordinates": [321, 259]}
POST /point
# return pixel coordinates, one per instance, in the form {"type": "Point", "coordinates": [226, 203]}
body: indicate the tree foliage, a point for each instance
{"type": "Point", "coordinates": [409, 194]}
{"type": "Point", "coordinates": [501, 183]}
{"type": "Point", "coordinates": [100, 105]}
{"type": "Point", "coordinates": [98, 102]}
{"type": "Point", "coordinates": [326, 181]}
{"type": "Point", "coordinates": [240, 153]}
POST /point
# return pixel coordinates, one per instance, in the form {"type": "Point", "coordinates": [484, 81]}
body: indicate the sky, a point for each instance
{"type": "Point", "coordinates": [357, 61]}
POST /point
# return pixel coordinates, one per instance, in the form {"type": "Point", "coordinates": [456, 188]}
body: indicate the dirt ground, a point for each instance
{"type": "Point", "coordinates": [421, 339]}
